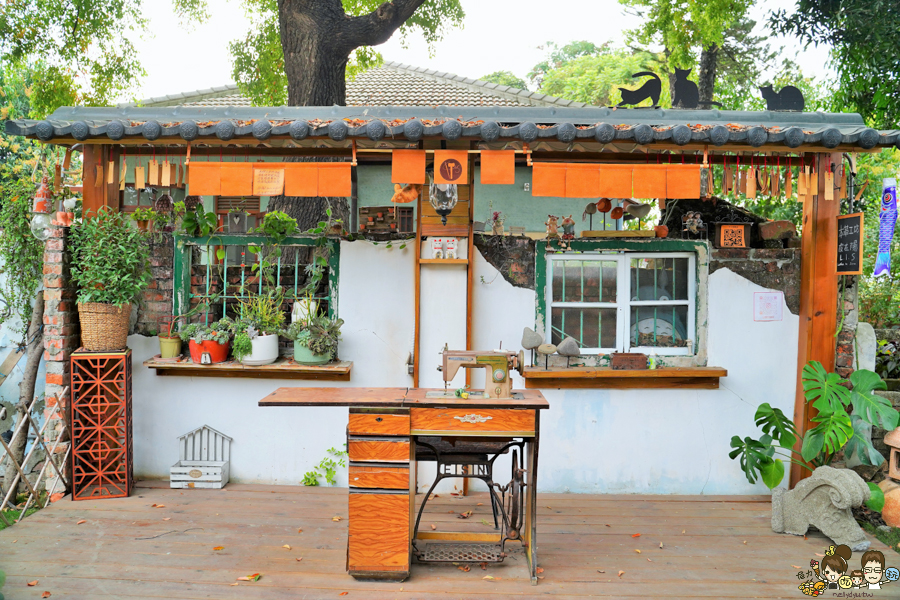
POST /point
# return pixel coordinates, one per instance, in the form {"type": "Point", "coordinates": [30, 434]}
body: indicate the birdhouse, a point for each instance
{"type": "Point", "coordinates": [204, 460]}
{"type": "Point", "coordinates": [892, 441]}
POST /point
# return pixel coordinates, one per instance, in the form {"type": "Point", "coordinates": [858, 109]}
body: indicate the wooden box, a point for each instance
{"type": "Point", "coordinates": [205, 460]}
{"type": "Point", "coordinates": [621, 361]}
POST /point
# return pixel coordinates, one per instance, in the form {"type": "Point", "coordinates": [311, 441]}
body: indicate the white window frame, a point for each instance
{"type": "Point", "coordinates": [624, 303]}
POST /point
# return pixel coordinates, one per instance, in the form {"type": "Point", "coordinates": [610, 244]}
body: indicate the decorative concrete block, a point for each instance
{"type": "Point", "coordinates": [823, 500]}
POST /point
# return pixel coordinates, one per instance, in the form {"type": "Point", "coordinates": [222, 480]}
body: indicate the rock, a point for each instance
{"type": "Point", "coordinates": [546, 349]}
{"type": "Point", "coordinates": [638, 210]}
{"type": "Point", "coordinates": [884, 528]}
{"type": "Point", "coordinates": [866, 345]}
{"type": "Point", "coordinates": [777, 230]}
{"type": "Point", "coordinates": [568, 347]}
{"type": "Point", "coordinates": [531, 339]}
{"type": "Point", "coordinates": [891, 511]}
{"type": "Point", "coordinates": [823, 500]}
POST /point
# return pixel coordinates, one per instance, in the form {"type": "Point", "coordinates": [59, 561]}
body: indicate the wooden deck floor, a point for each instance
{"type": "Point", "coordinates": [718, 547]}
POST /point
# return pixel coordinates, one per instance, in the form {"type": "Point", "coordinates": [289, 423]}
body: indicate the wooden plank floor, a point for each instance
{"type": "Point", "coordinates": [712, 546]}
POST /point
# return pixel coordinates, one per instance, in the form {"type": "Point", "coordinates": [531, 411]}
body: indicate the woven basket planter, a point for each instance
{"type": "Point", "coordinates": [104, 327]}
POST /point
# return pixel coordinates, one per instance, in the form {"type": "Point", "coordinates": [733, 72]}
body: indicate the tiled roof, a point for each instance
{"type": "Point", "coordinates": [392, 84]}
{"type": "Point", "coordinates": [495, 123]}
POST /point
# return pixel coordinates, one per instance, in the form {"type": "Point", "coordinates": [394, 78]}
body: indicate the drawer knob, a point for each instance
{"type": "Point", "coordinates": [378, 419]}
{"type": "Point", "coordinates": [473, 418]}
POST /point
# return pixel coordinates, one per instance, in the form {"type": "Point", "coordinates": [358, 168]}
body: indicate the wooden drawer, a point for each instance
{"type": "Point", "coordinates": [384, 478]}
{"type": "Point", "coordinates": [457, 420]}
{"type": "Point", "coordinates": [378, 532]}
{"type": "Point", "coordinates": [378, 450]}
{"type": "Point", "coordinates": [378, 424]}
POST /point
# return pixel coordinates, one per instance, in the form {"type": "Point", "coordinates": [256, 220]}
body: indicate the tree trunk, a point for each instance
{"type": "Point", "coordinates": [35, 350]}
{"type": "Point", "coordinates": [669, 72]}
{"type": "Point", "coordinates": [706, 78]}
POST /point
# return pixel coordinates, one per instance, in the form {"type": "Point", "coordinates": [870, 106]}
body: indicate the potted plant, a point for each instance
{"type": "Point", "coordinates": [212, 339]}
{"type": "Point", "coordinates": [847, 411]}
{"type": "Point", "coordinates": [110, 265]}
{"type": "Point", "coordinates": [256, 334]}
{"type": "Point", "coordinates": [169, 340]}
{"type": "Point", "coordinates": [143, 217]}
{"type": "Point", "coordinates": [315, 339]}
{"type": "Point", "coordinates": [496, 222]}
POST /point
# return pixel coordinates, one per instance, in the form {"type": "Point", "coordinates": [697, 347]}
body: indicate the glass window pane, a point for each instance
{"type": "Point", "coordinates": [591, 327]}
{"type": "Point", "coordinates": [659, 326]}
{"type": "Point", "coordinates": [584, 281]}
{"type": "Point", "coordinates": [659, 278]}
{"type": "Point", "coordinates": [130, 196]}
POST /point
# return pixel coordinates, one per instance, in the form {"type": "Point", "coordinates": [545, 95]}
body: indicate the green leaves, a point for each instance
{"type": "Point", "coordinates": [860, 444]}
{"type": "Point", "coordinates": [772, 473]}
{"type": "Point", "coordinates": [754, 457]}
{"type": "Point", "coordinates": [824, 389]}
{"type": "Point", "coordinates": [773, 422]}
{"type": "Point", "coordinates": [874, 409]}
{"type": "Point", "coordinates": [830, 435]}
{"type": "Point", "coordinates": [876, 500]}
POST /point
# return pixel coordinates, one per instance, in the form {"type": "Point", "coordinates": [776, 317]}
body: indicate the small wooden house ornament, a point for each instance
{"type": "Point", "coordinates": [204, 462]}
{"type": "Point", "coordinates": [892, 441]}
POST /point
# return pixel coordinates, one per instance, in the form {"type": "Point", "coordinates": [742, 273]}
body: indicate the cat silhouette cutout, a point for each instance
{"type": "Point", "coordinates": [788, 98]}
{"type": "Point", "coordinates": [652, 88]}
{"type": "Point", "coordinates": [687, 94]}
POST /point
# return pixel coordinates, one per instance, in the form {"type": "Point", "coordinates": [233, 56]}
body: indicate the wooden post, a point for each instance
{"type": "Point", "coordinates": [96, 195]}
{"type": "Point", "coordinates": [818, 294]}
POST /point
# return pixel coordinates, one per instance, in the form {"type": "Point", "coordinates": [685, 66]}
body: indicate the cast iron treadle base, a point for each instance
{"type": "Point", "coordinates": [461, 553]}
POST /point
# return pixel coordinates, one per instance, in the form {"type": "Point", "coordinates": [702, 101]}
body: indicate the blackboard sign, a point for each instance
{"type": "Point", "coordinates": [850, 244]}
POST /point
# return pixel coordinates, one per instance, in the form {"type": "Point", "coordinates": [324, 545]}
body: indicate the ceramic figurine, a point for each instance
{"type": "Point", "coordinates": [568, 225]}
{"type": "Point", "coordinates": [552, 224]}
{"type": "Point", "coordinates": [437, 247]}
{"type": "Point", "coordinates": [451, 248]}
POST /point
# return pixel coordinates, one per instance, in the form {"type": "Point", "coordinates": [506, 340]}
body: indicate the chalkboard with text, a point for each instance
{"type": "Point", "coordinates": [850, 244]}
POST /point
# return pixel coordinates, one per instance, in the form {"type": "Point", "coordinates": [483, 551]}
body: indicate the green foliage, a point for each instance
{"type": "Point", "coordinates": [258, 58]}
{"type": "Point", "coordinates": [199, 222]}
{"type": "Point", "coordinates": [558, 57]}
{"type": "Point", "coordinates": [144, 214]}
{"type": "Point", "coordinates": [243, 345]}
{"type": "Point", "coordinates": [80, 51]}
{"type": "Point", "coordinates": [323, 335]}
{"type": "Point", "coordinates": [218, 331]}
{"type": "Point", "coordinates": [277, 225]}
{"type": "Point", "coordinates": [507, 78]}
{"type": "Point", "coordinates": [887, 360]}
{"type": "Point", "coordinates": [876, 500]}
{"type": "Point", "coordinates": [836, 428]}
{"type": "Point", "coordinates": [262, 312]}
{"type": "Point", "coordinates": [110, 259]}
{"type": "Point", "coordinates": [327, 468]}
{"type": "Point", "coordinates": [861, 37]}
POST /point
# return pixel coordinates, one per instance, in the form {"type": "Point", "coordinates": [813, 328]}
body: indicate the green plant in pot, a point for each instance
{"type": "Point", "coordinates": [847, 411]}
{"type": "Point", "coordinates": [260, 322]}
{"type": "Point", "coordinates": [110, 265]}
{"type": "Point", "coordinates": [208, 344]}
{"type": "Point", "coordinates": [169, 337]}
{"type": "Point", "coordinates": [315, 339]}
{"type": "Point", "coordinates": [144, 217]}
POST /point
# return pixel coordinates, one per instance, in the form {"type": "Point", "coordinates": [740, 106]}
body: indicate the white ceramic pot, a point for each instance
{"type": "Point", "coordinates": [265, 351]}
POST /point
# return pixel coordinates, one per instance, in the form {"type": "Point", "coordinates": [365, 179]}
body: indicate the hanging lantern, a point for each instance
{"type": "Point", "coordinates": [41, 222]}
{"type": "Point", "coordinates": [443, 198]}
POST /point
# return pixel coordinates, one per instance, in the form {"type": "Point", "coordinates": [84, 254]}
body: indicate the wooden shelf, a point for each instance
{"type": "Point", "coordinates": [283, 368]}
{"type": "Point", "coordinates": [443, 261]}
{"type": "Point", "coordinates": [706, 378]}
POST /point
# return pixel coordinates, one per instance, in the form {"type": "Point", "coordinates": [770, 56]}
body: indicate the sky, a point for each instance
{"type": "Point", "coordinates": [497, 35]}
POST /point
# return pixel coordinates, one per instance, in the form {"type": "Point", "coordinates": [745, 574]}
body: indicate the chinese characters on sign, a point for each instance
{"type": "Point", "coordinates": [268, 182]}
{"type": "Point", "coordinates": [849, 244]}
{"type": "Point", "coordinates": [767, 306]}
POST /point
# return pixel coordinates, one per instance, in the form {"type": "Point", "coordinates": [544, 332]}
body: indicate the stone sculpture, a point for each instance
{"type": "Point", "coordinates": [823, 500]}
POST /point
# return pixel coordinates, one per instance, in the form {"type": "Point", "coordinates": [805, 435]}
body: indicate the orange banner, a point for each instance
{"type": "Point", "coordinates": [408, 166]}
{"type": "Point", "coordinates": [451, 166]}
{"type": "Point", "coordinates": [498, 167]}
{"type": "Point", "coordinates": [268, 182]}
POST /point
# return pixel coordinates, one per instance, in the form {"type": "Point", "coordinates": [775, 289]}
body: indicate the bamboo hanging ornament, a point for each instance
{"type": "Point", "coordinates": [139, 178]}
{"type": "Point", "coordinates": [829, 184]}
{"type": "Point", "coordinates": [788, 182]}
{"type": "Point", "coordinates": [802, 181]}
{"type": "Point", "coordinates": [153, 172]}
{"type": "Point", "coordinates": [812, 184]}
{"type": "Point", "coordinates": [774, 179]}
{"type": "Point", "coordinates": [111, 172]}
{"type": "Point", "coordinates": [166, 180]}
{"type": "Point", "coordinates": [843, 192]}
{"type": "Point", "coordinates": [98, 175]}
{"type": "Point", "coordinates": [751, 182]}
{"type": "Point", "coordinates": [57, 176]}
{"type": "Point", "coordinates": [726, 174]}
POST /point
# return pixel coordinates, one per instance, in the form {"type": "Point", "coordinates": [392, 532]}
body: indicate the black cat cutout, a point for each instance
{"type": "Point", "coordinates": [652, 88]}
{"type": "Point", "coordinates": [687, 94]}
{"type": "Point", "coordinates": [789, 98]}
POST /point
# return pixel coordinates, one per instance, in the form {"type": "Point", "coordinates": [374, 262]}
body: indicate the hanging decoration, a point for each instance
{"type": "Point", "coordinates": [887, 220]}
{"type": "Point", "coordinates": [41, 221]}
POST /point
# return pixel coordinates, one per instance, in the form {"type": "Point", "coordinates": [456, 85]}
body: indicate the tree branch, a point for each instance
{"type": "Point", "coordinates": [379, 25]}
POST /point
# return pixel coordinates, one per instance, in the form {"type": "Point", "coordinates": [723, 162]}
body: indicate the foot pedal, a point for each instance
{"type": "Point", "coordinates": [461, 553]}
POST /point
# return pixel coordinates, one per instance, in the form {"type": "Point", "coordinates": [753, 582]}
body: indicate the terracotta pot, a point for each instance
{"type": "Point", "coordinates": [217, 352]}
{"type": "Point", "coordinates": [891, 512]}
{"type": "Point", "coordinates": [143, 224]}
{"type": "Point", "coordinates": [661, 231]}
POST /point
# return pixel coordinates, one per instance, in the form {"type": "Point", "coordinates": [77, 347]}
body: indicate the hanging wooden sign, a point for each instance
{"type": "Point", "coordinates": [153, 173]}
{"type": "Point", "coordinates": [843, 192]}
{"type": "Point", "coordinates": [111, 172]}
{"type": "Point", "coordinates": [802, 182]}
{"type": "Point", "coordinates": [166, 180]}
{"type": "Point", "coordinates": [139, 178]}
{"type": "Point", "coordinates": [789, 184]}
{"type": "Point", "coordinates": [751, 182]}
{"type": "Point", "coordinates": [850, 235]}
{"type": "Point", "coordinates": [829, 185]}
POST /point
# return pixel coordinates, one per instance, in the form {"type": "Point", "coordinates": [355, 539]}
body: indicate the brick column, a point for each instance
{"type": "Point", "coordinates": [156, 304]}
{"type": "Point", "coordinates": [845, 349]}
{"type": "Point", "coordinates": [61, 337]}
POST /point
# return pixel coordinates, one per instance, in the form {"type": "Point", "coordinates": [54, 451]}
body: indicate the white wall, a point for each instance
{"type": "Point", "coordinates": [599, 441]}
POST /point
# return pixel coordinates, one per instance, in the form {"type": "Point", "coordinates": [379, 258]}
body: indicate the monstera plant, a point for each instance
{"type": "Point", "coordinates": [847, 410]}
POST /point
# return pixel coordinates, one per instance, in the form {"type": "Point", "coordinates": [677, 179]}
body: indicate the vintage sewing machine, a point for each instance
{"type": "Point", "coordinates": [497, 363]}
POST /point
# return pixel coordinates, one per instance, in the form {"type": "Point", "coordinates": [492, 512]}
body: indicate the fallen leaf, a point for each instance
{"type": "Point", "coordinates": [649, 560]}
{"type": "Point", "coordinates": [599, 571]}
{"type": "Point", "coordinates": [336, 518]}
{"type": "Point", "coordinates": [796, 567]}
{"type": "Point", "coordinates": [299, 559]}
{"type": "Point", "coordinates": [80, 522]}
{"type": "Point", "coordinates": [235, 583]}
{"type": "Point", "coordinates": [219, 548]}
{"type": "Point", "coordinates": [287, 546]}
{"type": "Point", "coordinates": [491, 578]}
{"type": "Point", "coordinates": [159, 505]}
{"type": "Point", "coordinates": [539, 570]}
{"type": "Point", "coordinates": [243, 579]}
{"type": "Point", "coordinates": [343, 593]}
{"type": "Point", "coordinates": [485, 522]}
{"type": "Point", "coordinates": [433, 526]}
{"type": "Point", "coordinates": [464, 515]}
{"type": "Point", "coordinates": [638, 551]}
{"type": "Point", "coordinates": [550, 508]}
{"type": "Point", "coordinates": [167, 518]}
{"type": "Point", "coordinates": [745, 541]}
{"type": "Point", "coordinates": [299, 531]}
{"type": "Point", "coordinates": [32, 583]}
{"type": "Point", "coordinates": [464, 568]}
{"type": "Point", "coordinates": [480, 504]}
{"type": "Point", "coordinates": [450, 512]}
{"type": "Point", "coordinates": [817, 554]}
{"type": "Point", "coordinates": [660, 545]}
{"type": "Point", "coordinates": [621, 573]}
{"type": "Point", "coordinates": [45, 595]}
{"type": "Point", "coordinates": [254, 577]}
{"type": "Point", "coordinates": [609, 525]}
{"type": "Point", "coordinates": [682, 531]}
{"type": "Point", "coordinates": [540, 576]}
{"type": "Point", "coordinates": [635, 535]}
{"type": "Point", "coordinates": [152, 505]}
